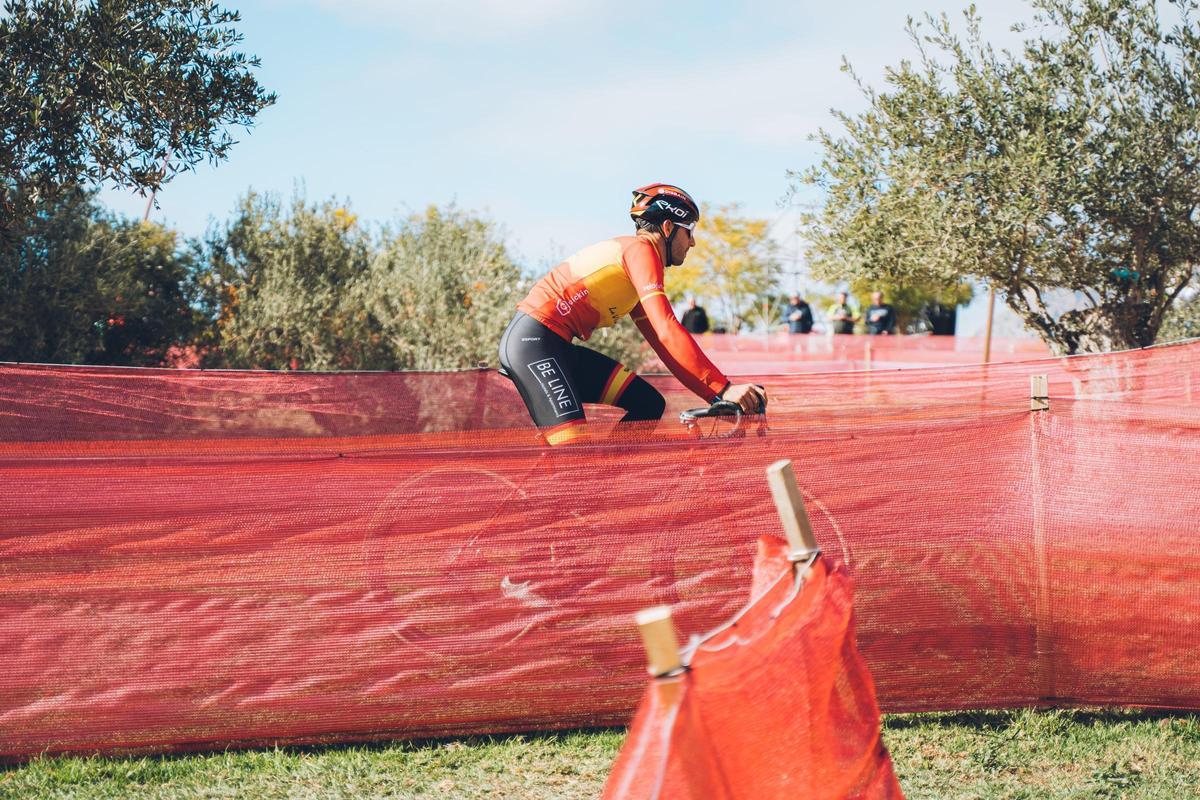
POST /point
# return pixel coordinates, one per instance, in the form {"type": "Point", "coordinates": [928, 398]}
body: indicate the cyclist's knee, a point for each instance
{"type": "Point", "coordinates": [642, 402]}
{"type": "Point", "coordinates": [656, 405]}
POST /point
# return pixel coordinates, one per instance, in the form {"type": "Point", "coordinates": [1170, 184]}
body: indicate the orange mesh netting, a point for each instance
{"type": "Point", "coordinates": [777, 705]}
{"type": "Point", "coordinates": [199, 558]}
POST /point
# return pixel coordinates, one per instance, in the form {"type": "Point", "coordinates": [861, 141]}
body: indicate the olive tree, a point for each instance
{"type": "Point", "coordinates": [124, 92]}
{"type": "Point", "coordinates": [1072, 164]}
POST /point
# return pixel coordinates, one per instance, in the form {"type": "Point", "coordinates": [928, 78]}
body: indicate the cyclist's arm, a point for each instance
{"type": "Point", "coordinates": [689, 365]}
{"type": "Point", "coordinates": [656, 320]}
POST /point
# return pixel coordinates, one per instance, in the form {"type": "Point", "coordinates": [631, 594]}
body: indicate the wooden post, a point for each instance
{"type": "Point", "coordinates": [792, 513]}
{"type": "Point", "coordinates": [1044, 646]}
{"type": "Point", "coordinates": [987, 336]}
{"type": "Point", "coordinates": [867, 352]}
{"type": "Point", "coordinates": [658, 637]}
{"type": "Point", "coordinates": [1039, 393]}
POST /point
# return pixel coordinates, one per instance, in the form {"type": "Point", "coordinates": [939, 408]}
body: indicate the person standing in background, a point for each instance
{"type": "Point", "coordinates": [842, 315]}
{"type": "Point", "coordinates": [798, 315]}
{"type": "Point", "coordinates": [881, 317]}
{"type": "Point", "coordinates": [695, 319]}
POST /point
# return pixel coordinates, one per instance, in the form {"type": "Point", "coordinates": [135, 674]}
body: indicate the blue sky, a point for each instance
{"type": "Point", "coordinates": [543, 114]}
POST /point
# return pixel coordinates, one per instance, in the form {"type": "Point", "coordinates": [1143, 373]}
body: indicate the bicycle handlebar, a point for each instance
{"type": "Point", "coordinates": [721, 408]}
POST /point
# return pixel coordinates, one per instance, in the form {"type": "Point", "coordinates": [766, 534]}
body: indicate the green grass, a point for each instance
{"type": "Point", "coordinates": [1047, 754]}
{"type": "Point", "coordinates": [1018, 754]}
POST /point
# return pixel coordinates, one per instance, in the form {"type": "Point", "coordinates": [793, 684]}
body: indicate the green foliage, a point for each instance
{"type": "Point", "coordinates": [440, 292]}
{"type": "Point", "coordinates": [278, 286]}
{"type": "Point", "coordinates": [1054, 168]}
{"type": "Point", "coordinates": [1183, 321]}
{"type": "Point", "coordinates": [84, 288]}
{"type": "Point", "coordinates": [306, 287]}
{"type": "Point", "coordinates": [282, 287]}
{"type": "Point", "coordinates": [734, 263]}
{"type": "Point", "coordinates": [125, 91]}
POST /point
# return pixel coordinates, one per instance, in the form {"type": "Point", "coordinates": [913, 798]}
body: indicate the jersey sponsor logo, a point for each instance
{"type": "Point", "coordinates": [652, 287]}
{"type": "Point", "coordinates": [555, 386]}
{"type": "Point", "coordinates": [566, 304]}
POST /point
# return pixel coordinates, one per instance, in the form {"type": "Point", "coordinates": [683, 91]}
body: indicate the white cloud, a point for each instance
{"type": "Point", "coordinates": [770, 100]}
{"type": "Point", "coordinates": [766, 101]}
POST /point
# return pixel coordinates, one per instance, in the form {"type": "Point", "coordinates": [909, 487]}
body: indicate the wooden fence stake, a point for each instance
{"type": "Point", "coordinates": [1044, 643]}
{"type": "Point", "coordinates": [792, 513]}
{"type": "Point", "coordinates": [1039, 393]}
{"type": "Point", "coordinates": [658, 637]}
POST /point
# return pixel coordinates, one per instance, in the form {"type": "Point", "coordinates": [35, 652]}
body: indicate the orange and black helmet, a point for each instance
{"type": "Point", "coordinates": [661, 201]}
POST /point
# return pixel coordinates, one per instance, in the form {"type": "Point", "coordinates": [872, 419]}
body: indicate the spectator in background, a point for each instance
{"type": "Point", "coordinates": [842, 315]}
{"type": "Point", "coordinates": [881, 318]}
{"type": "Point", "coordinates": [940, 318]}
{"type": "Point", "coordinates": [695, 319]}
{"type": "Point", "coordinates": [798, 315]}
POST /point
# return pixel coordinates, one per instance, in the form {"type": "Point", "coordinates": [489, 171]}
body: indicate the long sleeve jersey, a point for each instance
{"type": "Point", "coordinates": [600, 284]}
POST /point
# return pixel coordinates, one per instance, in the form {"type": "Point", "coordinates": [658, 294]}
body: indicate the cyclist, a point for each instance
{"type": "Point", "coordinates": [593, 289]}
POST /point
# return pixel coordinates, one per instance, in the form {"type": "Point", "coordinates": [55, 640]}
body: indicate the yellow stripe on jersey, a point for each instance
{"type": "Point", "coordinates": [617, 382]}
{"type": "Point", "coordinates": [646, 297]}
{"type": "Point", "coordinates": [567, 432]}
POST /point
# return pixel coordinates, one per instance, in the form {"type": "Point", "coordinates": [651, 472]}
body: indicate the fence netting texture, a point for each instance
{"type": "Point", "coordinates": [776, 702]}
{"type": "Point", "coordinates": [198, 559]}
{"type": "Point", "coordinates": [790, 353]}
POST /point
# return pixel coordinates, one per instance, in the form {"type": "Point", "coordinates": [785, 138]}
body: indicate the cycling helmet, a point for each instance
{"type": "Point", "coordinates": [661, 201]}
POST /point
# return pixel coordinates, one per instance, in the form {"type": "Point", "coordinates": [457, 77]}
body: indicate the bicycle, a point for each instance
{"type": "Point", "coordinates": [547, 573]}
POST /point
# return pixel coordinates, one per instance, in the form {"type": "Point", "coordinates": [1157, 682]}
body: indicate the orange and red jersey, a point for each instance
{"type": "Point", "coordinates": [600, 284]}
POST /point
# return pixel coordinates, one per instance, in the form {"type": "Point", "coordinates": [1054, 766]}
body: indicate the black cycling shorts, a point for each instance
{"type": "Point", "coordinates": [556, 377]}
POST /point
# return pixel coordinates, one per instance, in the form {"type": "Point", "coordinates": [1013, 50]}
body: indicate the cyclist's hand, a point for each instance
{"type": "Point", "coordinates": [751, 398]}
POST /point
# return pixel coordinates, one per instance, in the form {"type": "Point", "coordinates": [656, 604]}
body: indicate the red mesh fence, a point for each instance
{"type": "Point", "coordinates": [778, 705]}
{"type": "Point", "coordinates": [197, 559]}
{"type": "Point", "coordinates": [48, 403]}
{"type": "Point", "coordinates": [788, 353]}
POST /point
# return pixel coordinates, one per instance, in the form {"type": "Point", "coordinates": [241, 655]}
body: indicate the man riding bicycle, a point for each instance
{"type": "Point", "coordinates": [593, 289]}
